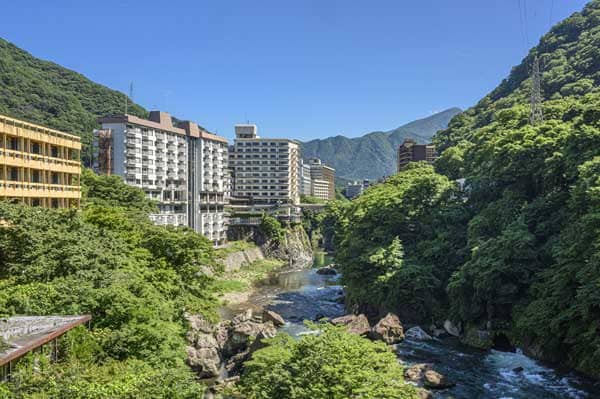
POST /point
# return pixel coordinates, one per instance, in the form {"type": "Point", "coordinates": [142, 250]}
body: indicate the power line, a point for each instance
{"type": "Point", "coordinates": [521, 25]}
{"type": "Point", "coordinates": [526, 22]}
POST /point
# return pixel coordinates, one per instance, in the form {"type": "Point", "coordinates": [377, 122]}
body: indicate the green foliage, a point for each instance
{"type": "Point", "coordinates": [47, 94]}
{"type": "Point", "coordinates": [113, 379]}
{"type": "Point", "coordinates": [309, 199]}
{"type": "Point", "coordinates": [381, 237]}
{"type": "Point", "coordinates": [234, 246]}
{"type": "Point", "coordinates": [373, 155]}
{"type": "Point", "coordinates": [135, 279]}
{"type": "Point", "coordinates": [518, 250]}
{"type": "Point", "coordinates": [331, 365]}
{"type": "Point", "coordinates": [532, 266]}
{"type": "Point", "coordinates": [113, 191]}
{"type": "Point", "coordinates": [271, 228]}
{"type": "Point", "coordinates": [3, 345]}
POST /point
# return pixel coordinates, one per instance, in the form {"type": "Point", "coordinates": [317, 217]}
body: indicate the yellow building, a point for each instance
{"type": "Point", "coordinates": [39, 166]}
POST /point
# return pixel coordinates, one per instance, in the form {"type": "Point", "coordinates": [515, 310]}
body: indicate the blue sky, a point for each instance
{"type": "Point", "coordinates": [301, 69]}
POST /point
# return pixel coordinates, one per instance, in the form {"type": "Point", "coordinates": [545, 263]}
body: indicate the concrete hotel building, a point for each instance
{"type": "Point", "coordinates": [179, 167]}
{"type": "Point", "coordinates": [39, 166]}
{"type": "Point", "coordinates": [410, 151]}
{"type": "Point", "coordinates": [323, 180]}
{"type": "Point", "coordinates": [304, 178]}
{"type": "Point", "coordinates": [208, 182]}
{"type": "Point", "coordinates": [265, 170]}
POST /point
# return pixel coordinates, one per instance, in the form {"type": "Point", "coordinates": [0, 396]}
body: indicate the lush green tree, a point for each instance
{"type": "Point", "coordinates": [517, 251]}
{"type": "Point", "coordinates": [271, 228]}
{"type": "Point", "coordinates": [330, 365]}
{"type": "Point", "coordinates": [135, 279]}
{"type": "Point", "coordinates": [309, 199]}
{"type": "Point", "coordinates": [113, 191]}
{"type": "Point", "coordinates": [379, 249]}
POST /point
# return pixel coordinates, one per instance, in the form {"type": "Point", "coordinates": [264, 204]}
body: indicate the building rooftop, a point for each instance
{"type": "Point", "coordinates": [160, 122]}
{"type": "Point", "coordinates": [39, 128]}
{"type": "Point", "coordinates": [26, 333]}
{"type": "Point", "coordinates": [163, 121]}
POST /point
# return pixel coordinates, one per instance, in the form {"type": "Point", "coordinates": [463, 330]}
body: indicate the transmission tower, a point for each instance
{"type": "Point", "coordinates": [537, 114]}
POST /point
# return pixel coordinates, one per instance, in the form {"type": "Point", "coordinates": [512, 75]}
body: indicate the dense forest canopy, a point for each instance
{"type": "Point", "coordinates": [517, 251]}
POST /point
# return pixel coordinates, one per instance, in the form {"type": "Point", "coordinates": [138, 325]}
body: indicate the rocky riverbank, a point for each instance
{"type": "Point", "coordinates": [304, 294]}
{"type": "Point", "coordinates": [217, 350]}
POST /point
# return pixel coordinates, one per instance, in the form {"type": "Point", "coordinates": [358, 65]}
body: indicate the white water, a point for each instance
{"type": "Point", "coordinates": [305, 295]}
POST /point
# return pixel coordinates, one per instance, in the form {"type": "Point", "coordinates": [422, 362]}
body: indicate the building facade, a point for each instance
{"type": "Point", "coordinates": [320, 173]}
{"type": "Point", "coordinates": [304, 178]}
{"type": "Point", "coordinates": [265, 170]}
{"type": "Point", "coordinates": [39, 166]}
{"type": "Point", "coordinates": [181, 167]}
{"type": "Point", "coordinates": [356, 188]}
{"type": "Point", "coordinates": [207, 172]}
{"type": "Point", "coordinates": [409, 151]}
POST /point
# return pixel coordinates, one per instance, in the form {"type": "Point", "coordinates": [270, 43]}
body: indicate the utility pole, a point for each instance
{"type": "Point", "coordinates": [537, 114]}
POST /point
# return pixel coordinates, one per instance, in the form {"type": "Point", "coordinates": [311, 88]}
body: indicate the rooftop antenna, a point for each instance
{"type": "Point", "coordinates": [537, 114]}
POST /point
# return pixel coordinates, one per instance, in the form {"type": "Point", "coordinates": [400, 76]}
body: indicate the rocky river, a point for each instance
{"type": "Point", "coordinates": [305, 295]}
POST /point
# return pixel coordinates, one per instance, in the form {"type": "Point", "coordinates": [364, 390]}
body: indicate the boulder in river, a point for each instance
{"type": "Point", "coordinates": [424, 394]}
{"type": "Point", "coordinates": [434, 380]}
{"type": "Point", "coordinates": [451, 328]}
{"type": "Point", "coordinates": [242, 333]}
{"type": "Point", "coordinates": [198, 323]}
{"type": "Point", "coordinates": [273, 317]}
{"type": "Point", "coordinates": [343, 320]}
{"type": "Point", "coordinates": [204, 360]}
{"type": "Point", "coordinates": [389, 330]}
{"type": "Point", "coordinates": [416, 372]}
{"type": "Point", "coordinates": [417, 333]}
{"type": "Point", "coordinates": [424, 375]}
{"type": "Point", "coordinates": [358, 325]}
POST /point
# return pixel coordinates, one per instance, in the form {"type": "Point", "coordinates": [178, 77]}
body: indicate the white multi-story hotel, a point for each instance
{"type": "Point", "coordinates": [305, 179]}
{"type": "Point", "coordinates": [317, 179]}
{"type": "Point", "coordinates": [207, 182]}
{"type": "Point", "coordinates": [182, 168]}
{"type": "Point", "coordinates": [264, 170]}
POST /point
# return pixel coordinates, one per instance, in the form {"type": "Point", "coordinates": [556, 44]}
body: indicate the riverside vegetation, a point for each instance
{"type": "Point", "coordinates": [514, 255]}
{"type": "Point", "coordinates": [139, 281]}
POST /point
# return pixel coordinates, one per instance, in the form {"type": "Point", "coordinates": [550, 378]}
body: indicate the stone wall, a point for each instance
{"type": "Point", "coordinates": [236, 260]}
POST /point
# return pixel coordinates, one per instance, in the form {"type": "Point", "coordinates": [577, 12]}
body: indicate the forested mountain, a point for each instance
{"type": "Point", "coordinates": [515, 256]}
{"type": "Point", "coordinates": [45, 93]}
{"type": "Point", "coordinates": [373, 155]}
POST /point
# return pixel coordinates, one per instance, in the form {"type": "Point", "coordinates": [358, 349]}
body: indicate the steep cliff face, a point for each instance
{"type": "Point", "coordinates": [294, 248]}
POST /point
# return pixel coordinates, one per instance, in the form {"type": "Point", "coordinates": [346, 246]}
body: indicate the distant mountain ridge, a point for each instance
{"type": "Point", "coordinates": [374, 155]}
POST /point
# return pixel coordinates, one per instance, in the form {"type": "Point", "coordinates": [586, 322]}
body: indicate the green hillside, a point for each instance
{"type": "Point", "coordinates": [513, 258]}
{"type": "Point", "coordinates": [45, 93]}
{"type": "Point", "coordinates": [373, 155]}
{"type": "Point", "coordinates": [531, 268]}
